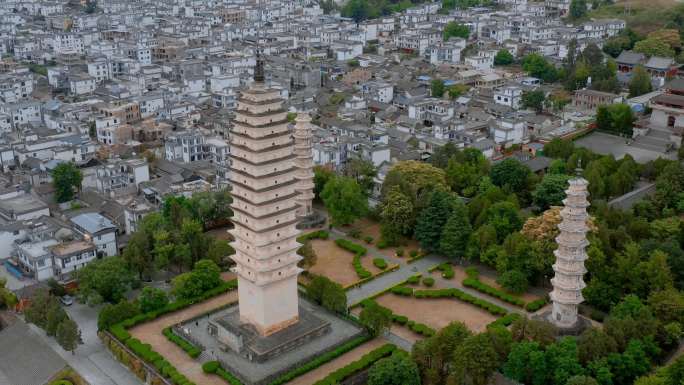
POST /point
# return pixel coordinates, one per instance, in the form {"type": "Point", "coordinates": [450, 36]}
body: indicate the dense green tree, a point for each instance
{"type": "Point", "coordinates": [654, 47]}
{"type": "Point", "coordinates": [559, 148]}
{"type": "Point", "coordinates": [434, 355]}
{"type": "Point", "coordinates": [7, 298]}
{"type": "Point", "coordinates": [358, 10]}
{"type": "Point", "coordinates": [475, 359]}
{"type": "Point", "coordinates": [437, 88]}
{"type": "Point", "coordinates": [578, 9]}
{"type": "Point", "coordinates": [592, 55]}
{"type": "Point", "coordinates": [526, 364]}
{"type": "Point", "coordinates": [321, 176]}
{"type": "Point", "coordinates": [113, 314]}
{"type": "Point", "coordinates": [431, 221]}
{"type": "Point", "coordinates": [105, 280]}
{"type": "Point", "coordinates": [204, 276]}
{"type": "Point", "coordinates": [363, 172]}
{"type": "Point", "coordinates": [36, 312]}
{"type": "Point", "coordinates": [54, 316]}
{"type": "Point", "coordinates": [375, 318]}
{"type": "Point", "coordinates": [640, 83]}
{"type": "Point", "coordinates": [415, 179]}
{"type": "Point", "coordinates": [533, 100]}
{"type": "Point", "coordinates": [510, 173]}
{"type": "Point", "coordinates": [593, 344]}
{"type": "Point", "coordinates": [152, 298]}
{"type": "Point", "coordinates": [503, 58]}
{"type": "Point", "coordinates": [327, 293]}
{"type": "Point", "coordinates": [397, 216]}
{"type": "Point", "coordinates": [550, 191]}
{"type": "Point", "coordinates": [514, 281]}
{"type": "Point", "coordinates": [563, 361]}
{"type": "Point", "coordinates": [65, 178]}
{"type": "Point", "coordinates": [454, 29]}
{"type": "Point", "coordinates": [504, 217]}
{"type": "Point", "coordinates": [456, 232]}
{"type": "Point", "coordinates": [581, 380]}
{"type": "Point", "coordinates": [344, 199]}
{"type": "Point", "coordinates": [526, 329]}
{"type": "Point", "coordinates": [68, 335]}
{"type": "Point", "coordinates": [397, 369]}
{"type": "Point", "coordinates": [537, 66]}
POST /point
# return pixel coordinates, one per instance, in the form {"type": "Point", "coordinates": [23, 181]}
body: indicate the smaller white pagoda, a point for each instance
{"type": "Point", "coordinates": [570, 256]}
{"type": "Point", "coordinates": [304, 165]}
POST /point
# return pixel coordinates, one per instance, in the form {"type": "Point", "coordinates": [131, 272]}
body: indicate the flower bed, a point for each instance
{"type": "Point", "coordinates": [357, 366]}
{"type": "Point", "coordinates": [144, 351]}
{"type": "Point", "coordinates": [465, 297]}
{"type": "Point", "coordinates": [192, 350]}
{"type": "Point", "coordinates": [482, 287]}
{"type": "Point", "coordinates": [320, 360]}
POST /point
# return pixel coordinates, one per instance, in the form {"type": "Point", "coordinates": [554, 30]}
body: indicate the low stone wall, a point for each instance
{"type": "Point", "coordinates": [135, 364]}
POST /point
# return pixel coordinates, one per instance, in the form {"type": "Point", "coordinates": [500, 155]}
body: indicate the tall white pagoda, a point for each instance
{"type": "Point", "coordinates": [304, 164]}
{"type": "Point", "coordinates": [570, 256]}
{"type": "Point", "coordinates": [263, 177]}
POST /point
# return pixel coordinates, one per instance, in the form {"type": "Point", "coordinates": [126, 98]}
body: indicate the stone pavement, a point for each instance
{"type": "Point", "coordinates": [92, 360]}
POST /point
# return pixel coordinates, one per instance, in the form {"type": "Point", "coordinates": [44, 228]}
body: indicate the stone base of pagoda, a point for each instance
{"type": "Point", "coordinates": [315, 219]}
{"type": "Point", "coordinates": [261, 348]}
{"type": "Point", "coordinates": [257, 360]}
{"type": "Point", "coordinates": [580, 325]}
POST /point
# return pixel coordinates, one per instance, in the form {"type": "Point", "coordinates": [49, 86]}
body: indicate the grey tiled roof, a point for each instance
{"type": "Point", "coordinates": [24, 358]}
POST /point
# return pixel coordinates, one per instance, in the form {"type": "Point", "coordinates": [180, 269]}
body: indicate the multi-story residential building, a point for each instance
{"type": "Point", "coordinates": [99, 230]}
{"type": "Point", "coordinates": [510, 96]}
{"type": "Point", "coordinates": [120, 175]}
{"type": "Point", "coordinates": [590, 100]}
{"type": "Point", "coordinates": [446, 52]}
{"type": "Point", "coordinates": [15, 87]}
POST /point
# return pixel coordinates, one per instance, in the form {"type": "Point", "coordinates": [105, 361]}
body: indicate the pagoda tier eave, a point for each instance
{"type": "Point", "coordinates": [270, 161]}
{"type": "Point", "coordinates": [265, 189]}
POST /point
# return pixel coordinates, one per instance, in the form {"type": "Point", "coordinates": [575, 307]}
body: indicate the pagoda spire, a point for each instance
{"type": "Point", "coordinates": [570, 255]}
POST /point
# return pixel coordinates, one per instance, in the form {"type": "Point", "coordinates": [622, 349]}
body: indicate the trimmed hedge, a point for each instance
{"type": "Point", "coordinates": [421, 329]}
{"type": "Point", "coordinates": [482, 287]}
{"type": "Point", "coordinates": [416, 255]}
{"type": "Point", "coordinates": [472, 272]}
{"type": "Point", "coordinates": [62, 382]}
{"type": "Point", "coordinates": [192, 350]}
{"type": "Point", "coordinates": [465, 297]}
{"type": "Point", "coordinates": [214, 367]}
{"type": "Point", "coordinates": [320, 234]}
{"type": "Point", "coordinates": [320, 360]}
{"type": "Point", "coordinates": [357, 366]}
{"type": "Point", "coordinates": [402, 290]}
{"type": "Point", "coordinates": [144, 351]}
{"type": "Point", "coordinates": [351, 246]}
{"type": "Point", "coordinates": [380, 263]}
{"type": "Point", "coordinates": [505, 321]}
{"type": "Point", "coordinates": [536, 304]}
{"type": "Point", "coordinates": [359, 251]}
{"type": "Point", "coordinates": [428, 281]}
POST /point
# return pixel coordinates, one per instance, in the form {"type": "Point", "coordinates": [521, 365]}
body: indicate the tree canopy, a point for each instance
{"type": "Point", "coordinates": [66, 177]}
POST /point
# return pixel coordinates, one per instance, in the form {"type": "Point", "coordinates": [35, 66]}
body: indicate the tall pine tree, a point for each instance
{"type": "Point", "coordinates": [456, 232]}
{"type": "Point", "coordinates": [431, 220]}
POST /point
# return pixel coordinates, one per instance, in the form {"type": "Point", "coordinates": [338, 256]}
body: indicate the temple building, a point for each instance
{"type": "Point", "coordinates": [570, 256]}
{"type": "Point", "coordinates": [304, 165]}
{"type": "Point", "coordinates": [663, 129]}
{"type": "Point", "coordinates": [264, 180]}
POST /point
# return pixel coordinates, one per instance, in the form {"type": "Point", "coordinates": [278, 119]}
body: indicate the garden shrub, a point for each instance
{"type": "Point", "coordinates": [357, 366]}
{"type": "Point", "coordinates": [428, 281]}
{"type": "Point", "coordinates": [494, 292]}
{"type": "Point", "coordinates": [368, 239]}
{"type": "Point", "coordinates": [382, 244]}
{"type": "Point", "coordinates": [536, 305]}
{"type": "Point", "coordinates": [361, 271]}
{"type": "Point", "coordinates": [400, 319]}
{"type": "Point", "coordinates": [380, 263]}
{"type": "Point", "coordinates": [320, 234]}
{"type": "Point", "coordinates": [414, 279]}
{"type": "Point", "coordinates": [320, 360]}
{"type": "Point", "coordinates": [400, 252]}
{"type": "Point", "coordinates": [447, 270]}
{"type": "Point", "coordinates": [413, 253]}
{"type": "Point", "coordinates": [62, 382]}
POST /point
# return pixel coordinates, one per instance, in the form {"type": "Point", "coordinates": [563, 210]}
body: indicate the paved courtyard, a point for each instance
{"type": "Point", "coordinates": [603, 143]}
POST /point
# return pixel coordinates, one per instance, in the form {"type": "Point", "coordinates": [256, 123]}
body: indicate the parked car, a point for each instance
{"type": "Point", "coordinates": [66, 300]}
